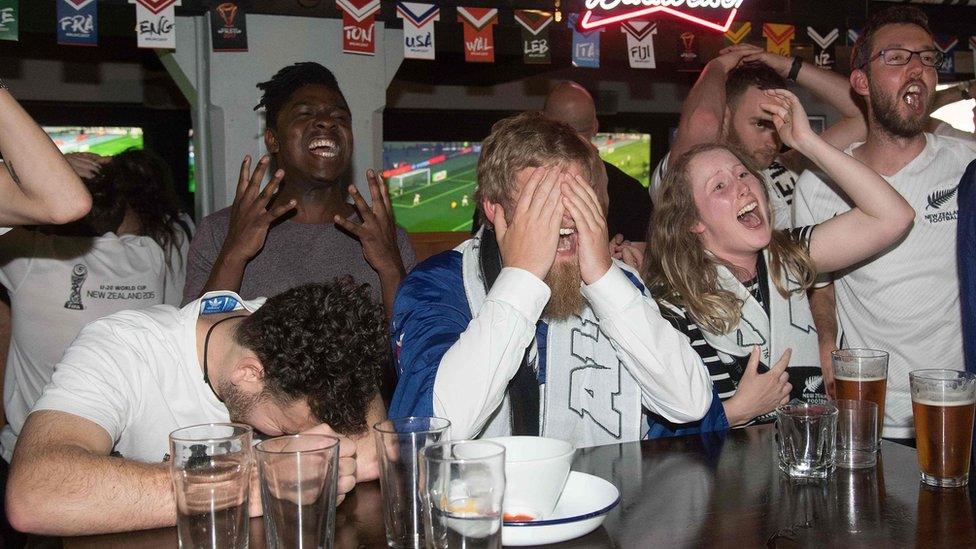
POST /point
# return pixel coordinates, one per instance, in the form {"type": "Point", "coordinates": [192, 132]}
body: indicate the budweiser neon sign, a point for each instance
{"type": "Point", "coordinates": [724, 11]}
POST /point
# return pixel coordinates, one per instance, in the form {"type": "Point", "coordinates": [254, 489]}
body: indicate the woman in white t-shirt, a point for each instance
{"type": "Point", "coordinates": [129, 252]}
{"type": "Point", "coordinates": [736, 287]}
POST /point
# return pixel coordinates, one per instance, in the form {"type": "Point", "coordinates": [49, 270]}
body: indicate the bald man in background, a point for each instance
{"type": "Point", "coordinates": [630, 207]}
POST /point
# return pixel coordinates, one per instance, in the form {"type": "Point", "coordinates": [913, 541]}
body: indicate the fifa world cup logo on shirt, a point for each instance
{"type": "Point", "coordinates": [228, 12]}
{"type": "Point", "coordinates": [78, 276]}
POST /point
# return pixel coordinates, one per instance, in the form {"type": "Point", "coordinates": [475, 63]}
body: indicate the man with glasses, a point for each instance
{"type": "Point", "coordinates": [904, 300]}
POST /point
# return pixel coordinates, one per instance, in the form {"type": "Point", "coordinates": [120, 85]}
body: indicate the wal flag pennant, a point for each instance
{"type": "Point", "coordinates": [9, 20]}
{"type": "Point", "coordinates": [640, 43]}
{"type": "Point", "coordinates": [947, 45]}
{"type": "Point", "coordinates": [778, 37]}
{"type": "Point", "coordinates": [586, 45]}
{"type": "Point", "coordinates": [156, 23]}
{"type": "Point", "coordinates": [479, 38]}
{"type": "Point", "coordinates": [77, 22]}
{"type": "Point", "coordinates": [418, 29]}
{"type": "Point", "coordinates": [535, 35]}
{"type": "Point", "coordinates": [824, 55]}
{"type": "Point", "coordinates": [358, 25]}
{"type": "Point", "coordinates": [738, 33]}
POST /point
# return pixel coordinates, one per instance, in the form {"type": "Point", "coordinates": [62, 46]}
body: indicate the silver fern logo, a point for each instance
{"type": "Point", "coordinates": [941, 197]}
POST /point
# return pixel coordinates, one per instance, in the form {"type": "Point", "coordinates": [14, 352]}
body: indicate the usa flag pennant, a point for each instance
{"type": "Point", "coordinates": [738, 33]}
{"type": "Point", "coordinates": [156, 23]}
{"type": "Point", "coordinates": [479, 38]}
{"type": "Point", "coordinates": [947, 45]}
{"type": "Point", "coordinates": [778, 37]}
{"type": "Point", "coordinates": [535, 35]}
{"type": "Point", "coordinates": [824, 54]}
{"type": "Point", "coordinates": [418, 29]}
{"type": "Point", "coordinates": [640, 43]}
{"type": "Point", "coordinates": [358, 25]}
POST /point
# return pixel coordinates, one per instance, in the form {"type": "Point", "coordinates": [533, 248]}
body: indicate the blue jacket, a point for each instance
{"type": "Point", "coordinates": [966, 253]}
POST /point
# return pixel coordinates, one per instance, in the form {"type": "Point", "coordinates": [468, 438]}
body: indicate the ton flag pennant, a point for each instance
{"type": "Point", "coordinates": [156, 23]}
{"type": "Point", "coordinates": [824, 56]}
{"type": "Point", "coordinates": [778, 37]}
{"type": "Point", "coordinates": [358, 25]}
{"type": "Point", "coordinates": [586, 45]}
{"type": "Point", "coordinates": [738, 33]}
{"type": "Point", "coordinates": [535, 35]}
{"type": "Point", "coordinates": [418, 29]}
{"type": "Point", "coordinates": [947, 45]}
{"type": "Point", "coordinates": [640, 43]}
{"type": "Point", "coordinates": [479, 39]}
{"type": "Point", "coordinates": [77, 23]}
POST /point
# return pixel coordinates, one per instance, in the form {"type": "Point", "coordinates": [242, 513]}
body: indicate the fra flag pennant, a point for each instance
{"type": "Point", "coordinates": [77, 22]}
{"type": "Point", "coordinates": [586, 45]}
{"type": "Point", "coordinates": [778, 37]}
{"type": "Point", "coordinates": [640, 43]}
{"type": "Point", "coordinates": [358, 25]}
{"type": "Point", "coordinates": [156, 23]}
{"type": "Point", "coordinates": [9, 20]}
{"type": "Point", "coordinates": [418, 29]}
{"type": "Point", "coordinates": [824, 56]}
{"type": "Point", "coordinates": [738, 33]}
{"type": "Point", "coordinates": [535, 35]}
{"type": "Point", "coordinates": [479, 39]}
{"type": "Point", "coordinates": [947, 45]}
{"type": "Point", "coordinates": [228, 27]}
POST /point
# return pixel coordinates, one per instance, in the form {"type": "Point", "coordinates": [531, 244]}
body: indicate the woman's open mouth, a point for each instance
{"type": "Point", "coordinates": [749, 216]}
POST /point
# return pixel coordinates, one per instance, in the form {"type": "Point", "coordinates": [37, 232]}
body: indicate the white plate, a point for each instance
{"type": "Point", "coordinates": [581, 508]}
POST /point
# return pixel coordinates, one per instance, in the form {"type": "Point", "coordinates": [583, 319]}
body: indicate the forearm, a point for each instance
{"type": "Point", "coordinates": [823, 309]}
{"type": "Point", "coordinates": [703, 111]}
{"type": "Point", "coordinates": [831, 88]}
{"type": "Point", "coordinates": [227, 273]}
{"type": "Point", "coordinates": [948, 96]}
{"type": "Point", "coordinates": [389, 283]}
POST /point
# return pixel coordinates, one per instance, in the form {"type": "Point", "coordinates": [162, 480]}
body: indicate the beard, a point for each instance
{"type": "Point", "coordinates": [884, 111]}
{"type": "Point", "coordinates": [239, 404]}
{"type": "Point", "coordinates": [564, 282]}
{"type": "Point", "coordinates": [758, 160]}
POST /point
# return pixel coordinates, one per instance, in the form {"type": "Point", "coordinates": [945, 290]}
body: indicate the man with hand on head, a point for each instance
{"type": "Point", "coordinates": [532, 314]}
{"type": "Point", "coordinates": [91, 457]}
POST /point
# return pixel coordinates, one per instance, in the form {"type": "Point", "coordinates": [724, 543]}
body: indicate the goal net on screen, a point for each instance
{"type": "Point", "coordinates": [406, 181]}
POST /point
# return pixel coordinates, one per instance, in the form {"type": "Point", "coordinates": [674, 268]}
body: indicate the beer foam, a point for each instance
{"type": "Point", "coordinates": [859, 379]}
{"type": "Point", "coordinates": [931, 402]}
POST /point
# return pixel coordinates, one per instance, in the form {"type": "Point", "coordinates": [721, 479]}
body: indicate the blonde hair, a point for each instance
{"type": "Point", "coordinates": [679, 270]}
{"type": "Point", "coordinates": [527, 140]}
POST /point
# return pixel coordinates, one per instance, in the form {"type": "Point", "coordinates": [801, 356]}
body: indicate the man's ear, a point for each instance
{"type": "Point", "coordinates": [859, 82]}
{"type": "Point", "coordinates": [248, 374]}
{"type": "Point", "coordinates": [488, 207]}
{"type": "Point", "coordinates": [271, 142]}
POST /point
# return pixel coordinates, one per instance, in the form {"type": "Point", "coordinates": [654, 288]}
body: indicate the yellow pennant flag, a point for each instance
{"type": "Point", "coordinates": [778, 37]}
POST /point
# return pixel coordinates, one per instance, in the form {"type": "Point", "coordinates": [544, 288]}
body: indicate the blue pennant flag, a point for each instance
{"type": "Point", "coordinates": [77, 22]}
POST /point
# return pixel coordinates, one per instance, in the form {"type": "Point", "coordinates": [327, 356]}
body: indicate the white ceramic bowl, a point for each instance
{"type": "Point", "coordinates": [536, 469]}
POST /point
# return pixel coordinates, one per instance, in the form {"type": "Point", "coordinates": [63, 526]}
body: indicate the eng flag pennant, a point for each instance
{"type": "Point", "coordinates": [479, 39]}
{"type": "Point", "coordinates": [535, 35]}
{"type": "Point", "coordinates": [640, 43]}
{"type": "Point", "coordinates": [586, 45]}
{"type": "Point", "coordinates": [418, 29]}
{"type": "Point", "coordinates": [738, 33]}
{"type": "Point", "coordinates": [778, 37]}
{"type": "Point", "coordinates": [77, 23]}
{"type": "Point", "coordinates": [358, 25]}
{"type": "Point", "coordinates": [156, 23]}
{"type": "Point", "coordinates": [824, 55]}
{"type": "Point", "coordinates": [947, 45]}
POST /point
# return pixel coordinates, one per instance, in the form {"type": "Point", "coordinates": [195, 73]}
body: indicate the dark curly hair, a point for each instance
{"type": "Point", "coordinates": [755, 74]}
{"type": "Point", "coordinates": [323, 342]}
{"type": "Point", "coordinates": [283, 84]}
{"type": "Point", "coordinates": [895, 15]}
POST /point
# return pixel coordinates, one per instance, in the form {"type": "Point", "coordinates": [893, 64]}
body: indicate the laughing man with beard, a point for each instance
{"type": "Point", "coordinates": [533, 314]}
{"type": "Point", "coordinates": [904, 300]}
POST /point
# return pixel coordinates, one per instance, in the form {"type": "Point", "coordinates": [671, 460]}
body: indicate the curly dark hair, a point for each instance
{"type": "Point", "coordinates": [323, 342]}
{"type": "Point", "coordinates": [895, 15]}
{"type": "Point", "coordinates": [755, 74]}
{"type": "Point", "coordinates": [283, 84]}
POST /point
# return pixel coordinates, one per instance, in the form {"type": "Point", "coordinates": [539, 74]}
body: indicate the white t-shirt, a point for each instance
{"type": "Point", "coordinates": [137, 375]}
{"type": "Point", "coordinates": [780, 182]}
{"type": "Point", "coordinates": [57, 285]}
{"type": "Point", "coordinates": [904, 300]}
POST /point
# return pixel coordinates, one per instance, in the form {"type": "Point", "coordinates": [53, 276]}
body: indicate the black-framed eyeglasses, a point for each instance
{"type": "Point", "coordinates": [901, 56]}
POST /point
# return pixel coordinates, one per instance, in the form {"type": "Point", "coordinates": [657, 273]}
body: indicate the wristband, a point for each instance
{"type": "Point", "coordinates": [795, 69]}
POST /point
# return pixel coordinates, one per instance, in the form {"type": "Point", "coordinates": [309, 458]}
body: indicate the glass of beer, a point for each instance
{"type": "Point", "coordinates": [943, 403]}
{"type": "Point", "coordinates": [862, 374]}
{"type": "Point", "coordinates": [211, 470]}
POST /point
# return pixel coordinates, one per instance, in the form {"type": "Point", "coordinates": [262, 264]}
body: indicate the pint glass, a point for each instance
{"type": "Point", "coordinates": [862, 374]}
{"type": "Point", "coordinates": [943, 402]}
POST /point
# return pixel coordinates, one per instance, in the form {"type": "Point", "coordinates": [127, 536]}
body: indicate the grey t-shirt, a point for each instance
{"type": "Point", "coordinates": [294, 254]}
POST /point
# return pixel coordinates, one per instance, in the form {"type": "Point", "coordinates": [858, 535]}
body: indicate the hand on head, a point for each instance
{"type": "Point", "coordinates": [789, 117]}
{"type": "Point", "coordinates": [528, 241]}
{"type": "Point", "coordinates": [584, 207]}
{"type": "Point", "coordinates": [86, 165]}
{"type": "Point", "coordinates": [347, 460]}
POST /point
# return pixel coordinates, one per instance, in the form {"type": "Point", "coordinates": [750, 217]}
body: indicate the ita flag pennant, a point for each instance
{"type": "Point", "coordinates": [9, 20]}
{"type": "Point", "coordinates": [77, 22]}
{"type": "Point", "coordinates": [778, 37]}
{"type": "Point", "coordinates": [738, 33]}
{"type": "Point", "coordinates": [479, 38]}
{"type": "Point", "coordinates": [689, 58]}
{"type": "Point", "coordinates": [418, 29]}
{"type": "Point", "coordinates": [156, 23]}
{"type": "Point", "coordinates": [824, 55]}
{"type": "Point", "coordinates": [535, 35]}
{"type": "Point", "coordinates": [586, 45]}
{"type": "Point", "coordinates": [358, 25]}
{"type": "Point", "coordinates": [640, 43]}
{"type": "Point", "coordinates": [947, 45]}
{"type": "Point", "coordinates": [228, 27]}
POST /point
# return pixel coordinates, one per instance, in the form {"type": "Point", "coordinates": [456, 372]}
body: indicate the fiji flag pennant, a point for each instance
{"type": "Point", "coordinates": [535, 35]}
{"type": "Point", "coordinates": [640, 43]}
{"type": "Point", "coordinates": [825, 51]}
{"type": "Point", "coordinates": [77, 22]}
{"type": "Point", "coordinates": [358, 25]}
{"type": "Point", "coordinates": [778, 37]}
{"type": "Point", "coordinates": [418, 29]}
{"type": "Point", "coordinates": [479, 38]}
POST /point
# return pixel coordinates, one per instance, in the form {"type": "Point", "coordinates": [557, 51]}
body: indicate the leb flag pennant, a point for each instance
{"type": "Point", "coordinates": [586, 45]}
{"type": "Point", "coordinates": [358, 25]}
{"type": "Point", "coordinates": [535, 35]}
{"type": "Point", "coordinates": [418, 29]}
{"type": "Point", "coordinates": [77, 22]}
{"type": "Point", "coordinates": [156, 23]}
{"type": "Point", "coordinates": [778, 37]}
{"type": "Point", "coordinates": [9, 20]}
{"type": "Point", "coordinates": [640, 43]}
{"type": "Point", "coordinates": [824, 53]}
{"type": "Point", "coordinates": [738, 33]}
{"type": "Point", "coordinates": [479, 37]}
{"type": "Point", "coordinates": [947, 45]}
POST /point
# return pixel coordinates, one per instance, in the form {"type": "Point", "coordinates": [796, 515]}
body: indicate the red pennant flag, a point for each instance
{"type": "Point", "coordinates": [778, 37]}
{"type": "Point", "coordinates": [358, 25]}
{"type": "Point", "coordinates": [479, 39]}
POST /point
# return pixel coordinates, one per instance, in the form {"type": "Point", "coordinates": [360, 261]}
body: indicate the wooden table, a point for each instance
{"type": "Point", "coordinates": [714, 490]}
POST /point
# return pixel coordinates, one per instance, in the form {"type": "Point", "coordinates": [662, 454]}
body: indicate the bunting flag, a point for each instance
{"type": "Point", "coordinates": [947, 45]}
{"type": "Point", "coordinates": [778, 37]}
{"type": "Point", "coordinates": [77, 22]}
{"type": "Point", "coordinates": [479, 38]}
{"type": "Point", "coordinates": [228, 27]}
{"type": "Point", "coordinates": [972, 46]}
{"type": "Point", "coordinates": [738, 33]}
{"type": "Point", "coordinates": [418, 29]}
{"type": "Point", "coordinates": [586, 45]}
{"type": "Point", "coordinates": [640, 43]}
{"type": "Point", "coordinates": [824, 55]}
{"type": "Point", "coordinates": [535, 35]}
{"type": "Point", "coordinates": [852, 36]}
{"type": "Point", "coordinates": [9, 20]}
{"type": "Point", "coordinates": [156, 23]}
{"type": "Point", "coordinates": [689, 58]}
{"type": "Point", "coordinates": [358, 25]}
